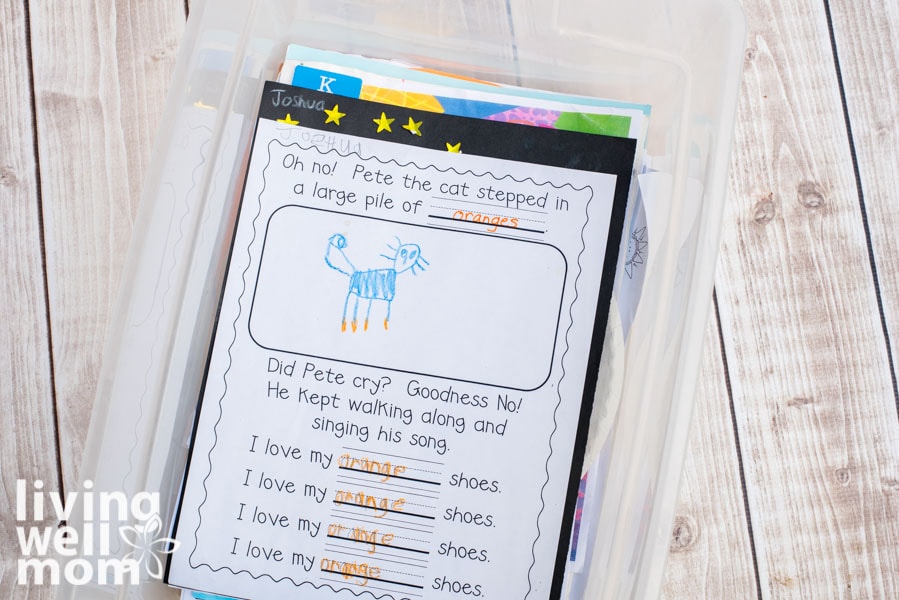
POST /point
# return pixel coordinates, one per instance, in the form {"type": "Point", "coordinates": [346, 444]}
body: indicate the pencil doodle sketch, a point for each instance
{"type": "Point", "coordinates": [636, 251]}
{"type": "Point", "coordinates": [372, 284]}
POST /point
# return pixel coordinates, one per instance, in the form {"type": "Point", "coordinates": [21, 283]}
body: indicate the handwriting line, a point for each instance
{"type": "Point", "coordinates": [411, 585]}
{"type": "Point", "coordinates": [390, 510]}
{"type": "Point", "coordinates": [486, 224]}
{"type": "Point", "coordinates": [370, 543]}
{"type": "Point", "coordinates": [391, 476]}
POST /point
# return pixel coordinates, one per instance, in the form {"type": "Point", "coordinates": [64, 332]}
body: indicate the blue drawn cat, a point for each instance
{"type": "Point", "coordinates": [373, 284]}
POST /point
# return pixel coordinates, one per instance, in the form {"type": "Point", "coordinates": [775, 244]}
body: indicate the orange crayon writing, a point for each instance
{"type": "Point", "coordinates": [386, 469]}
{"type": "Point", "coordinates": [360, 573]}
{"type": "Point", "coordinates": [495, 220]}
{"type": "Point", "coordinates": [371, 538]}
{"type": "Point", "coordinates": [381, 505]}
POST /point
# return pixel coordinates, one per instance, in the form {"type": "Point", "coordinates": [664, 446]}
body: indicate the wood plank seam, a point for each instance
{"type": "Point", "coordinates": [43, 246]}
{"type": "Point", "coordinates": [862, 206]}
{"type": "Point", "coordinates": [737, 447]}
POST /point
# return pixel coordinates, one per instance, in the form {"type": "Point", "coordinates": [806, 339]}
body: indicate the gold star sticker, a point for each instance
{"type": "Point", "coordinates": [413, 127]}
{"type": "Point", "coordinates": [383, 123]}
{"type": "Point", "coordinates": [334, 115]}
{"type": "Point", "coordinates": [457, 148]}
{"type": "Point", "coordinates": [288, 121]}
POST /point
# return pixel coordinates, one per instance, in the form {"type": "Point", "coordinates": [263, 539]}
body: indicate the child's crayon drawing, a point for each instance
{"type": "Point", "coordinates": [372, 284]}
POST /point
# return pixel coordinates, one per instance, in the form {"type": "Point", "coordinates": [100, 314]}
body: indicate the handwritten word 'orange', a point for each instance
{"type": "Point", "coordinates": [368, 465]}
{"type": "Point", "coordinates": [495, 220]}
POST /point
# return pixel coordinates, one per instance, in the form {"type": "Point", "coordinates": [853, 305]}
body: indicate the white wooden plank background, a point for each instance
{"type": "Point", "coordinates": [101, 70]}
{"type": "Point", "coordinates": [27, 444]}
{"type": "Point", "coordinates": [791, 487]}
{"type": "Point", "coordinates": [711, 554]}
{"type": "Point", "coordinates": [808, 365]}
{"type": "Point", "coordinates": [867, 38]}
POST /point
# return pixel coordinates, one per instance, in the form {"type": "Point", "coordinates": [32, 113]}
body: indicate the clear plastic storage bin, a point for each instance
{"type": "Point", "coordinates": [682, 58]}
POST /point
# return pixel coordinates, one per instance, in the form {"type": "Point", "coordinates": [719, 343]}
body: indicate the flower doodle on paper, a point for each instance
{"type": "Point", "coordinates": [636, 249]}
{"type": "Point", "coordinates": [372, 284]}
{"type": "Point", "coordinates": [147, 546]}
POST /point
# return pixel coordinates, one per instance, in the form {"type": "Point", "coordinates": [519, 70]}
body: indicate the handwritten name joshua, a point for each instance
{"type": "Point", "coordinates": [283, 98]}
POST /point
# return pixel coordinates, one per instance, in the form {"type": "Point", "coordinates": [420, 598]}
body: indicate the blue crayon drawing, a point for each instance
{"type": "Point", "coordinates": [372, 284]}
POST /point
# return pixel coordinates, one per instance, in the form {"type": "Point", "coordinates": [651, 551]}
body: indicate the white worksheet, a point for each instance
{"type": "Point", "coordinates": [399, 383]}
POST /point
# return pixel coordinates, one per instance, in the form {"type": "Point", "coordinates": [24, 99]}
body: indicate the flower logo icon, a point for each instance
{"type": "Point", "coordinates": [147, 546]}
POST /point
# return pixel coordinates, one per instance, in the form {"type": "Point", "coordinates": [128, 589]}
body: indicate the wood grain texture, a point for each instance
{"type": "Point", "coordinates": [809, 372]}
{"type": "Point", "coordinates": [101, 71]}
{"type": "Point", "coordinates": [710, 554]}
{"type": "Point", "coordinates": [27, 444]}
{"type": "Point", "coordinates": [867, 37]}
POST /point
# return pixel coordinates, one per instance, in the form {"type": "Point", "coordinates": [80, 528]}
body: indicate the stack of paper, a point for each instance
{"type": "Point", "coordinates": [401, 391]}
